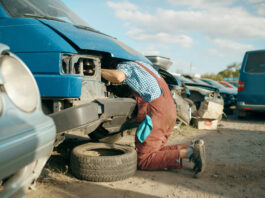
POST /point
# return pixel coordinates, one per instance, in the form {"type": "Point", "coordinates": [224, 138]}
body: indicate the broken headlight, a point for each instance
{"type": "Point", "coordinates": [19, 84]}
{"type": "Point", "coordinates": [84, 65]}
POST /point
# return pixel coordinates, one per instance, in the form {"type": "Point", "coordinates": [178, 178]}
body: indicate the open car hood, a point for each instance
{"type": "Point", "coordinates": [85, 38]}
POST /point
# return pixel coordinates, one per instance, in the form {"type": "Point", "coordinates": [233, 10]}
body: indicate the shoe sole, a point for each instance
{"type": "Point", "coordinates": [203, 159]}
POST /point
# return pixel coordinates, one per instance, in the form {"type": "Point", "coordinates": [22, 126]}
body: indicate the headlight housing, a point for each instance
{"type": "Point", "coordinates": [19, 83]}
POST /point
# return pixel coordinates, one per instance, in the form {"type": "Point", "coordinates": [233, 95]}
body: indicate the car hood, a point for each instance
{"type": "Point", "coordinates": [85, 38]}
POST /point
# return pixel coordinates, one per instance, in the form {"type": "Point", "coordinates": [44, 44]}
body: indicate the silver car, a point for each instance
{"type": "Point", "coordinates": [26, 134]}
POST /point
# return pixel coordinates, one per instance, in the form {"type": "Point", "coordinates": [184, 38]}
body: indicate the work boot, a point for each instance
{"type": "Point", "coordinates": [198, 157]}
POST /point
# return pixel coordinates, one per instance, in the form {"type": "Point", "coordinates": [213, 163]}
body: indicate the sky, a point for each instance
{"type": "Point", "coordinates": [199, 36]}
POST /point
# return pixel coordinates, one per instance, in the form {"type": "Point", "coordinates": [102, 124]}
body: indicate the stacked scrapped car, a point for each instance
{"type": "Point", "coordinates": [229, 95]}
{"type": "Point", "coordinates": [200, 92]}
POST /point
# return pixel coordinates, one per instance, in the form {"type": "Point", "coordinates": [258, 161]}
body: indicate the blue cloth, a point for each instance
{"type": "Point", "coordinates": [141, 81]}
{"type": "Point", "coordinates": [144, 129]}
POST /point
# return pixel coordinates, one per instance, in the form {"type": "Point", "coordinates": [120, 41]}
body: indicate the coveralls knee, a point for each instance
{"type": "Point", "coordinates": [152, 153]}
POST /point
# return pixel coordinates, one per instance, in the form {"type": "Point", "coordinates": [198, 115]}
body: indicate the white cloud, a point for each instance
{"type": "Point", "coordinates": [161, 37]}
{"type": "Point", "coordinates": [181, 66]}
{"type": "Point", "coordinates": [225, 22]}
{"type": "Point", "coordinates": [258, 5]}
{"type": "Point", "coordinates": [122, 5]}
{"type": "Point", "coordinates": [229, 48]}
{"type": "Point", "coordinates": [255, 1]}
{"type": "Point", "coordinates": [261, 9]}
{"type": "Point", "coordinates": [128, 11]}
{"type": "Point", "coordinates": [150, 50]}
{"type": "Point", "coordinates": [201, 3]}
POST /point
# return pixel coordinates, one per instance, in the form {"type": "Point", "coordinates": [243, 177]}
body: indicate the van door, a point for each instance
{"type": "Point", "coordinates": [252, 79]}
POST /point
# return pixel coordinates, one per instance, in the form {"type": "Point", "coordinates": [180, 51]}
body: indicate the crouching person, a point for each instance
{"type": "Point", "coordinates": [156, 117]}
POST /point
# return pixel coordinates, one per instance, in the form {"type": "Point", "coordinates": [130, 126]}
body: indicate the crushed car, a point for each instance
{"type": "Point", "coordinates": [26, 134]}
{"type": "Point", "coordinates": [229, 95]}
{"type": "Point", "coordinates": [208, 102]}
{"type": "Point", "coordinates": [200, 92]}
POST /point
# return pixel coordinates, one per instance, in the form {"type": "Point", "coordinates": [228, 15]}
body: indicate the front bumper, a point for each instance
{"type": "Point", "coordinates": [112, 113]}
{"type": "Point", "coordinates": [250, 107]}
{"type": "Point", "coordinates": [229, 100]}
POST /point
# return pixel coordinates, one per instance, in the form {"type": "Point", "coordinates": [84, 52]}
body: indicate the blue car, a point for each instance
{"type": "Point", "coordinates": [65, 56]}
{"type": "Point", "coordinates": [26, 134]}
{"type": "Point", "coordinates": [251, 89]}
{"type": "Point", "coordinates": [200, 91]}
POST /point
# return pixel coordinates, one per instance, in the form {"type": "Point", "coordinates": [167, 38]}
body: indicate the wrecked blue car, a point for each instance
{"type": "Point", "coordinates": [65, 55]}
{"type": "Point", "coordinates": [26, 135]}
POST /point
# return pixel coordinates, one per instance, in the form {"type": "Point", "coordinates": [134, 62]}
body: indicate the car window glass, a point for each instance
{"type": "Point", "coordinates": [49, 8]}
{"type": "Point", "coordinates": [255, 63]}
{"type": "Point", "coordinates": [214, 83]}
{"type": "Point", "coordinates": [185, 80]}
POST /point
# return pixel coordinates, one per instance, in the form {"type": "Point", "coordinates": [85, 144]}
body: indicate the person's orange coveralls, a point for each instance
{"type": "Point", "coordinates": [152, 153]}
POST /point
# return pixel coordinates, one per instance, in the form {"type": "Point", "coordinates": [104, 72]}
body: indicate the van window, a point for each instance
{"type": "Point", "coordinates": [49, 9]}
{"type": "Point", "coordinates": [255, 63]}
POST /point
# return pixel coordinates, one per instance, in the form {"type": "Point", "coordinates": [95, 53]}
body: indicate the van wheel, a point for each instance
{"type": "Point", "coordinates": [241, 114]}
{"type": "Point", "coordinates": [101, 162]}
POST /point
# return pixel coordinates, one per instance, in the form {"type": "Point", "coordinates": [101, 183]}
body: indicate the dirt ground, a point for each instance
{"type": "Point", "coordinates": [235, 168]}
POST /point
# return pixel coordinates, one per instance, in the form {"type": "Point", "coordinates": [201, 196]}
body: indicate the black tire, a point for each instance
{"type": "Point", "coordinates": [115, 162]}
{"type": "Point", "coordinates": [241, 114]}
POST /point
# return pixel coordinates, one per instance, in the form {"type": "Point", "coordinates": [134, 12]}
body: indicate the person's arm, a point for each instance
{"type": "Point", "coordinates": [115, 76]}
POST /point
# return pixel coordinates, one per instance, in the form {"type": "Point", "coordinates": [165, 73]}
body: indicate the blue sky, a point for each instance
{"type": "Point", "coordinates": [199, 36]}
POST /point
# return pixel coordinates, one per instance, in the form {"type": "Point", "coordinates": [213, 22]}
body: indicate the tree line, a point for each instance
{"type": "Point", "coordinates": [231, 71]}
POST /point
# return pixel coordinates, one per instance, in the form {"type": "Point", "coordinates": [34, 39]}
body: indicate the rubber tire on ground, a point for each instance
{"type": "Point", "coordinates": [110, 138]}
{"type": "Point", "coordinates": [103, 168]}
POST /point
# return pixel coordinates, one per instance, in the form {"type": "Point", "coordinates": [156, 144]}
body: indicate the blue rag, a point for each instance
{"type": "Point", "coordinates": [144, 129]}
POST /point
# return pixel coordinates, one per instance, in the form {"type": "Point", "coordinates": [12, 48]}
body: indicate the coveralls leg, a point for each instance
{"type": "Point", "coordinates": [152, 154]}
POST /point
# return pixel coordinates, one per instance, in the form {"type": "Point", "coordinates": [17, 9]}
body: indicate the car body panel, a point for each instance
{"type": "Point", "coordinates": [3, 14]}
{"type": "Point", "coordinates": [252, 97]}
{"type": "Point", "coordinates": [51, 83]}
{"type": "Point", "coordinates": [67, 86]}
{"type": "Point", "coordinates": [25, 139]}
{"type": "Point", "coordinates": [229, 95]}
{"type": "Point", "coordinates": [221, 88]}
{"type": "Point", "coordinates": [227, 84]}
{"type": "Point", "coordinates": [89, 40]}
{"type": "Point", "coordinates": [30, 35]}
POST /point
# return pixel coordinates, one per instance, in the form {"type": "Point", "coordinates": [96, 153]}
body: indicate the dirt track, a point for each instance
{"type": "Point", "coordinates": [235, 168]}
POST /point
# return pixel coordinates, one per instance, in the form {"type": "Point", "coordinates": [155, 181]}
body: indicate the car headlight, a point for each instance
{"type": "Point", "coordinates": [19, 83]}
{"type": "Point", "coordinates": [1, 106]}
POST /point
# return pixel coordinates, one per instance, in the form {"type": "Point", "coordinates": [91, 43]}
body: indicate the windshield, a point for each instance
{"type": "Point", "coordinates": [47, 9]}
{"type": "Point", "coordinates": [199, 81]}
{"type": "Point", "coordinates": [255, 63]}
{"type": "Point", "coordinates": [185, 80]}
{"type": "Point", "coordinates": [214, 83]}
